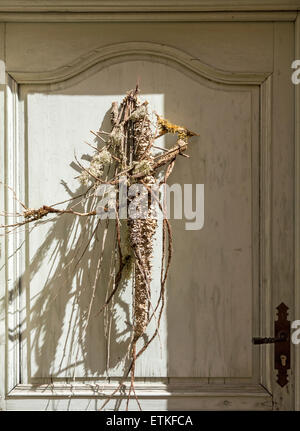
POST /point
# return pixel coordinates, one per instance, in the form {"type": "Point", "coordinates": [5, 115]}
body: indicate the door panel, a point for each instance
{"type": "Point", "coordinates": [199, 298]}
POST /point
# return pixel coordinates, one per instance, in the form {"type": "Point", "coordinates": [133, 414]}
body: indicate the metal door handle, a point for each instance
{"type": "Point", "coordinates": [282, 348]}
{"type": "Point", "coordinates": [270, 340]}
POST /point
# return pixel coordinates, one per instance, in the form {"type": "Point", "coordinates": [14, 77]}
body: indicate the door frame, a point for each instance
{"type": "Point", "coordinates": [297, 214]}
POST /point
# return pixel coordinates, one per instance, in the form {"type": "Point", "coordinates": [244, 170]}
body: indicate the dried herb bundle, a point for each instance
{"type": "Point", "coordinates": [127, 156]}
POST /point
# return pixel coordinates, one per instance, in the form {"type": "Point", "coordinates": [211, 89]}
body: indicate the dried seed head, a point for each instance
{"type": "Point", "coordinates": [117, 135]}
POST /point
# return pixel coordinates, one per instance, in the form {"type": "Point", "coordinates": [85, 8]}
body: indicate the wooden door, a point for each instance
{"type": "Point", "coordinates": [228, 81]}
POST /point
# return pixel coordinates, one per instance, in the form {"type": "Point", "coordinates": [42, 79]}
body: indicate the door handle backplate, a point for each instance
{"type": "Point", "coordinates": [282, 344]}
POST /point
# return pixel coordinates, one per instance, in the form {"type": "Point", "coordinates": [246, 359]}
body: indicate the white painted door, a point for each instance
{"type": "Point", "coordinates": [228, 81]}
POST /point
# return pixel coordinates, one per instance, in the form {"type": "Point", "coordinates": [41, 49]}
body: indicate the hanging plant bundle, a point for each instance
{"type": "Point", "coordinates": [129, 157]}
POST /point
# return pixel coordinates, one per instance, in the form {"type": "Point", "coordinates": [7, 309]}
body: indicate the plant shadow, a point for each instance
{"type": "Point", "coordinates": [64, 340]}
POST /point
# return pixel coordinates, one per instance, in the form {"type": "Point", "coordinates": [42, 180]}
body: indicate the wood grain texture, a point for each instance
{"type": "Point", "coordinates": [266, 310]}
{"type": "Point", "coordinates": [283, 180]}
{"type": "Point", "coordinates": [156, 397]}
{"type": "Point", "coordinates": [146, 11]}
{"type": "Point", "coordinates": [12, 242]}
{"type": "Point", "coordinates": [2, 205]}
{"type": "Point", "coordinates": [130, 51]}
{"type": "Point", "coordinates": [222, 44]}
{"type": "Point", "coordinates": [297, 214]}
{"type": "Point", "coordinates": [146, 5]}
{"type": "Point", "coordinates": [146, 17]}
